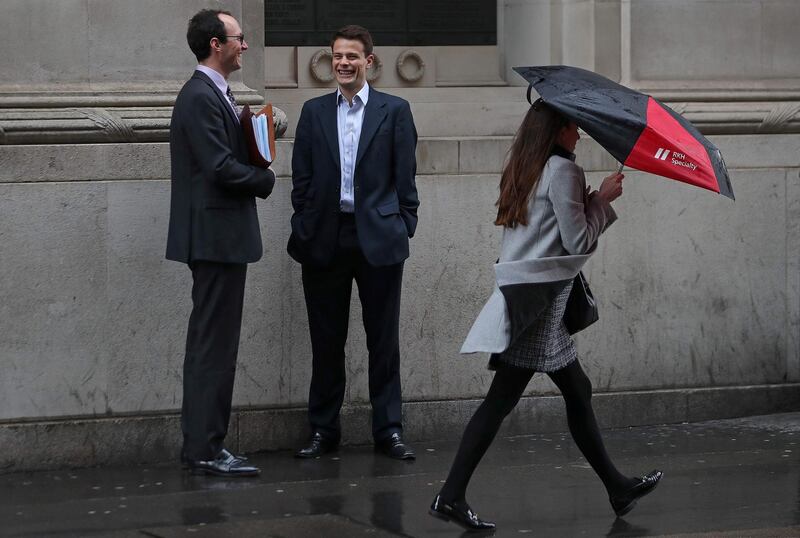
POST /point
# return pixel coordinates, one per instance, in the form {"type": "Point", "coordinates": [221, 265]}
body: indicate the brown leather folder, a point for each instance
{"type": "Point", "coordinates": [256, 158]}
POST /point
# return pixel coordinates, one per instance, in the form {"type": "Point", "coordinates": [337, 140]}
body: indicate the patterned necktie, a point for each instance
{"type": "Point", "coordinates": [232, 99]}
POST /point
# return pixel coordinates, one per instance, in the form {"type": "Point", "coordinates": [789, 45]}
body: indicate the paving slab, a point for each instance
{"type": "Point", "coordinates": [737, 477]}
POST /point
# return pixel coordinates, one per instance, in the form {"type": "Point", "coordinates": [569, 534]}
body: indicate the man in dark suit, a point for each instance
{"type": "Point", "coordinates": [213, 227]}
{"type": "Point", "coordinates": [355, 207]}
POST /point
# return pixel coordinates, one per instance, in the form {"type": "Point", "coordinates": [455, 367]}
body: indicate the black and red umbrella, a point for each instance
{"type": "Point", "coordinates": [639, 131]}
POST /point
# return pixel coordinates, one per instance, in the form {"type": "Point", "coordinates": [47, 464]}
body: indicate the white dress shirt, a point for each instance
{"type": "Point", "coordinates": [220, 82]}
{"type": "Point", "coordinates": [349, 120]}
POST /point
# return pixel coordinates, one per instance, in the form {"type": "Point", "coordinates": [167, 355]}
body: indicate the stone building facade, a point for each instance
{"type": "Point", "coordinates": [700, 297]}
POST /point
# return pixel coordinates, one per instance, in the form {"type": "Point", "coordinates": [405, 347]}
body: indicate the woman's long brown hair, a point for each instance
{"type": "Point", "coordinates": [529, 152]}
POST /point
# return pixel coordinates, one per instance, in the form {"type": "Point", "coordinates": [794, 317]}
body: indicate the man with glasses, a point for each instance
{"type": "Point", "coordinates": [213, 227]}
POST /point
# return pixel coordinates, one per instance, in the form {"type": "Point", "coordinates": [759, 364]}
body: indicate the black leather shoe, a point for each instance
{"type": "Point", "coordinates": [225, 464]}
{"type": "Point", "coordinates": [394, 447]}
{"type": "Point", "coordinates": [318, 446]}
{"type": "Point", "coordinates": [460, 514]}
{"type": "Point", "coordinates": [622, 504]}
{"type": "Point", "coordinates": [185, 459]}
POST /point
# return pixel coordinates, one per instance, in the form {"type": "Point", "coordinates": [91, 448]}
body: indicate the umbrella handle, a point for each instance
{"type": "Point", "coordinates": [621, 166]}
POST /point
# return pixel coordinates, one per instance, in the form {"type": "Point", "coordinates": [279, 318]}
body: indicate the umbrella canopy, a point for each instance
{"type": "Point", "coordinates": [639, 131]}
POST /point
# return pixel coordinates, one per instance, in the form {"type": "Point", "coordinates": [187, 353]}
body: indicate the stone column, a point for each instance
{"type": "Point", "coordinates": [83, 71]}
{"type": "Point", "coordinates": [583, 33]}
{"type": "Point", "coordinates": [523, 35]}
{"type": "Point", "coordinates": [692, 54]}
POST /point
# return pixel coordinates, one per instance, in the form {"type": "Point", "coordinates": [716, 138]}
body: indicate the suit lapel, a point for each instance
{"type": "Point", "coordinates": [222, 97]}
{"type": "Point", "coordinates": [330, 127]}
{"type": "Point", "coordinates": [374, 114]}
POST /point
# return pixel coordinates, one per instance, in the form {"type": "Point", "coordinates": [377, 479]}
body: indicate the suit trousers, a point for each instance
{"type": "Point", "coordinates": [212, 344]}
{"type": "Point", "coordinates": [327, 294]}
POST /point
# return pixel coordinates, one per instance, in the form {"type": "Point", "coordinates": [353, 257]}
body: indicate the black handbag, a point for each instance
{"type": "Point", "coordinates": [581, 310]}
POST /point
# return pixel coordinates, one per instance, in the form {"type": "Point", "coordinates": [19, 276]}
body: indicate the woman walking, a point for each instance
{"type": "Point", "coordinates": [551, 223]}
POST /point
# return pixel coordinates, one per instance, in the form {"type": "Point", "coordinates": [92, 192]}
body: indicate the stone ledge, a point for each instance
{"type": "Point", "coordinates": [103, 123]}
{"type": "Point", "coordinates": [82, 442]}
{"type": "Point", "coordinates": [435, 156]}
{"type": "Point", "coordinates": [68, 96]}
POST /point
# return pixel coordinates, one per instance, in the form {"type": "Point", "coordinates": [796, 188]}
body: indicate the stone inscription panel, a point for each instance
{"type": "Point", "coordinates": [391, 22]}
{"type": "Point", "coordinates": [290, 15]}
{"type": "Point", "coordinates": [386, 15]}
{"type": "Point", "coordinates": [451, 16]}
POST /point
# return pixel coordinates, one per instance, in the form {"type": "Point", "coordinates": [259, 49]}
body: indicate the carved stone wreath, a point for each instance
{"type": "Point", "coordinates": [374, 72]}
{"type": "Point", "coordinates": [412, 76]}
{"type": "Point", "coordinates": [319, 56]}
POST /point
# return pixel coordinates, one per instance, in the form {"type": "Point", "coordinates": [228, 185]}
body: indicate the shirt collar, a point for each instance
{"type": "Point", "coordinates": [216, 77]}
{"type": "Point", "coordinates": [363, 94]}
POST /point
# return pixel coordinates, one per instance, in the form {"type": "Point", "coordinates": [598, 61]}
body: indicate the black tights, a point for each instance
{"type": "Point", "coordinates": [507, 387]}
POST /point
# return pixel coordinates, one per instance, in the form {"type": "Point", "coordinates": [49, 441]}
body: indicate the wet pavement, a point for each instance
{"type": "Point", "coordinates": [737, 477]}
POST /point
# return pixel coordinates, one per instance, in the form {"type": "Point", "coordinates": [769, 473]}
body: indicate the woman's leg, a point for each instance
{"type": "Point", "coordinates": [577, 391]}
{"type": "Point", "coordinates": [506, 389]}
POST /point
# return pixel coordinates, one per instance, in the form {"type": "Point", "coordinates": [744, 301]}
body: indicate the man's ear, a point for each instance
{"type": "Point", "coordinates": [215, 44]}
{"type": "Point", "coordinates": [370, 60]}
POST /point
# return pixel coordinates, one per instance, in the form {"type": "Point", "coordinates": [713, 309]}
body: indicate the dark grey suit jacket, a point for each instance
{"type": "Point", "coordinates": [212, 209]}
{"type": "Point", "coordinates": [384, 188]}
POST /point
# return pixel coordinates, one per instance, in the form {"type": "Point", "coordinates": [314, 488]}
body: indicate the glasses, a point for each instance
{"type": "Point", "coordinates": [240, 38]}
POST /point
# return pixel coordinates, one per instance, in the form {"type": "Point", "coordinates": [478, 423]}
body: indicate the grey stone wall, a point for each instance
{"type": "Point", "coordinates": [695, 290]}
{"type": "Point", "coordinates": [107, 70]}
{"type": "Point", "coordinates": [112, 43]}
{"type": "Point", "coordinates": [687, 44]}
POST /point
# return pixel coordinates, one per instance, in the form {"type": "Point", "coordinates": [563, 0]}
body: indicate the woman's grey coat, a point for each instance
{"type": "Point", "coordinates": [538, 260]}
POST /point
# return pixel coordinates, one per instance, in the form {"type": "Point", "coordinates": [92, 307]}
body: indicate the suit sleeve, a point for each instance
{"type": "Point", "coordinates": [405, 167]}
{"type": "Point", "coordinates": [580, 221]}
{"type": "Point", "coordinates": [302, 168]}
{"type": "Point", "coordinates": [212, 150]}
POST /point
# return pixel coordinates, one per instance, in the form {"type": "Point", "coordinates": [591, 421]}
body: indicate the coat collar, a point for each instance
{"type": "Point", "coordinates": [223, 98]}
{"type": "Point", "coordinates": [561, 152]}
{"type": "Point", "coordinates": [329, 125]}
{"type": "Point", "coordinates": [374, 114]}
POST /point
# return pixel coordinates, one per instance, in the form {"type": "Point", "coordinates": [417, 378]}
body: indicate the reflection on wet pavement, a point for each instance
{"type": "Point", "coordinates": [737, 477]}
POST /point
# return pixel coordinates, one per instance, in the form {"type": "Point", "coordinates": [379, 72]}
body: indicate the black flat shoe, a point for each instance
{"type": "Point", "coordinates": [225, 464]}
{"type": "Point", "coordinates": [394, 447]}
{"type": "Point", "coordinates": [622, 504]}
{"type": "Point", "coordinates": [460, 514]}
{"type": "Point", "coordinates": [317, 446]}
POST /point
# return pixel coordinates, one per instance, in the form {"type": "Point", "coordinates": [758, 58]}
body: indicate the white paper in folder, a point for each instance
{"type": "Point", "coordinates": [261, 130]}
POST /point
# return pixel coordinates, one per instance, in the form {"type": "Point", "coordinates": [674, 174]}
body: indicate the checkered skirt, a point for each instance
{"type": "Point", "coordinates": [545, 346]}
